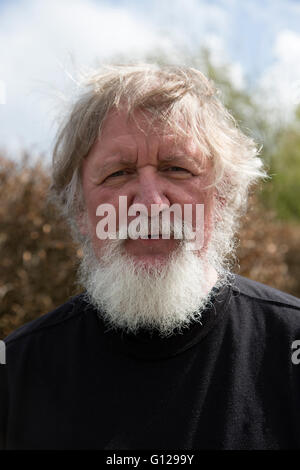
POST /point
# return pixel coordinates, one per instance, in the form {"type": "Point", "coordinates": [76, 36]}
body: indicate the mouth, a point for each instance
{"type": "Point", "coordinates": [150, 249]}
{"type": "Point", "coordinates": [157, 236]}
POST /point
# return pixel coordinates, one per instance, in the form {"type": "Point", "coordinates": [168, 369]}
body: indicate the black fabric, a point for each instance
{"type": "Point", "coordinates": [229, 383]}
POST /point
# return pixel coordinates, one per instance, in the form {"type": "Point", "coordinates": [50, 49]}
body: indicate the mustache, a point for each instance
{"type": "Point", "coordinates": [156, 227]}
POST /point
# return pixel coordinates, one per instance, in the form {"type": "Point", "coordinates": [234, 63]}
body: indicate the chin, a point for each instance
{"type": "Point", "coordinates": [161, 292]}
{"type": "Point", "coordinates": [149, 262]}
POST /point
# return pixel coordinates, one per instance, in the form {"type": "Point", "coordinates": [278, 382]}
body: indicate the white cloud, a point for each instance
{"type": "Point", "coordinates": [190, 20]}
{"type": "Point", "coordinates": [219, 58]}
{"type": "Point", "coordinates": [281, 81]}
{"type": "Point", "coordinates": [38, 40]}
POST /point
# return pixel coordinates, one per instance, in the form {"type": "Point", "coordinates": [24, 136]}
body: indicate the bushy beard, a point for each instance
{"type": "Point", "coordinates": [160, 298]}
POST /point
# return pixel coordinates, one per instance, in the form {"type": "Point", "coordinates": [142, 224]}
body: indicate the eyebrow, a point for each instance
{"type": "Point", "coordinates": [183, 158]}
{"type": "Point", "coordinates": [121, 161]}
{"type": "Point", "coordinates": [168, 158]}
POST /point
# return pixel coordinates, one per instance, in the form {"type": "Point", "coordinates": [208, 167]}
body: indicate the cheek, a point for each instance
{"type": "Point", "coordinates": [206, 198]}
{"type": "Point", "coordinates": [195, 194]}
{"type": "Point", "coordinates": [110, 213]}
{"type": "Point", "coordinates": [94, 198]}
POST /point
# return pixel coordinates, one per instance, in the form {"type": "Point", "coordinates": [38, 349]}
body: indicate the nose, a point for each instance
{"type": "Point", "coordinates": [150, 190]}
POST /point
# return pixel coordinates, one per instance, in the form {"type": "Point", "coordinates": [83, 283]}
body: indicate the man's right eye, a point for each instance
{"type": "Point", "coordinates": [117, 173]}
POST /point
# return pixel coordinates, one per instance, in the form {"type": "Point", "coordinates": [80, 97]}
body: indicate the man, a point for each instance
{"type": "Point", "coordinates": [165, 348]}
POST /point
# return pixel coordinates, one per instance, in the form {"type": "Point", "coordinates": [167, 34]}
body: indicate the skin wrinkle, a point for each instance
{"type": "Point", "coordinates": [148, 114]}
{"type": "Point", "coordinates": [123, 164]}
{"type": "Point", "coordinates": [148, 272]}
{"type": "Point", "coordinates": [179, 158]}
{"type": "Point", "coordinates": [149, 184]}
{"type": "Point", "coordinates": [179, 98]}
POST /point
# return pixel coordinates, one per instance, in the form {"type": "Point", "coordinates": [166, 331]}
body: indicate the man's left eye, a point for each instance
{"type": "Point", "coordinates": [176, 168]}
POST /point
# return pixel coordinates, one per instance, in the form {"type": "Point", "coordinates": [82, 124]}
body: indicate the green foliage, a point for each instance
{"type": "Point", "coordinates": [38, 258]}
{"type": "Point", "coordinates": [39, 261]}
{"type": "Point", "coordinates": [283, 191]}
{"type": "Point", "coordinates": [280, 143]}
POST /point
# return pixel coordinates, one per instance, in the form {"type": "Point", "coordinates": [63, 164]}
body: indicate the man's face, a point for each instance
{"type": "Point", "coordinates": [149, 167]}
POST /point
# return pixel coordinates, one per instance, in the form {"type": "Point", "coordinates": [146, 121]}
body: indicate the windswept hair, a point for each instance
{"type": "Point", "coordinates": [178, 97]}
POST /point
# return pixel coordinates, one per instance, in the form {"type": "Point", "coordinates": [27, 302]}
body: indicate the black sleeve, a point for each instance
{"type": "Point", "coordinates": [3, 404]}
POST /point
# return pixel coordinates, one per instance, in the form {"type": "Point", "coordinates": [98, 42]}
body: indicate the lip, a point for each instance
{"type": "Point", "coordinates": [159, 246]}
{"type": "Point", "coordinates": [156, 237]}
{"type": "Point", "coordinates": [149, 240]}
{"type": "Point", "coordinates": [153, 240]}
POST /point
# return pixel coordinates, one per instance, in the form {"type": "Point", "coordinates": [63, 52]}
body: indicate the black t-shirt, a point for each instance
{"type": "Point", "coordinates": [229, 383]}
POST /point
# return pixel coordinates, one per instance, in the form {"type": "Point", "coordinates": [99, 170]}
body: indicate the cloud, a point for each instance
{"type": "Point", "coordinates": [43, 40]}
{"type": "Point", "coordinates": [281, 81]}
{"type": "Point", "coordinates": [39, 41]}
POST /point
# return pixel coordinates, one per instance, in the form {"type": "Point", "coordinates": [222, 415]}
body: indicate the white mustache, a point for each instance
{"type": "Point", "coordinates": [156, 227]}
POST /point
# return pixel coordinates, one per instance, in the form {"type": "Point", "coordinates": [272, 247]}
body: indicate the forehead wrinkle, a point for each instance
{"type": "Point", "coordinates": [149, 149]}
{"type": "Point", "coordinates": [117, 161]}
{"type": "Point", "coordinates": [121, 143]}
{"type": "Point", "coordinates": [186, 147]}
{"type": "Point", "coordinates": [114, 151]}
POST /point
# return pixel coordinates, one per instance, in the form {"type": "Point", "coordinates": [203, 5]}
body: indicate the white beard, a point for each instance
{"type": "Point", "coordinates": [159, 298]}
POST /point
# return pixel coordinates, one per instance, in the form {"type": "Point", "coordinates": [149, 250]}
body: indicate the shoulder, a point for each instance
{"type": "Point", "coordinates": [56, 319]}
{"type": "Point", "coordinates": [254, 301]}
{"type": "Point", "coordinates": [261, 293]}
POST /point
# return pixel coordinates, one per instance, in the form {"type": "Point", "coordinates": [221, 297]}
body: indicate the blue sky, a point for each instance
{"type": "Point", "coordinates": [41, 41]}
{"type": "Point", "coordinates": [247, 27]}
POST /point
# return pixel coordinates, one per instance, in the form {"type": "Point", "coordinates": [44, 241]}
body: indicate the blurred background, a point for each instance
{"type": "Point", "coordinates": [251, 49]}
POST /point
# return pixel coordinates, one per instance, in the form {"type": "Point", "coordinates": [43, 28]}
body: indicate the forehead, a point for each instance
{"type": "Point", "coordinates": [120, 129]}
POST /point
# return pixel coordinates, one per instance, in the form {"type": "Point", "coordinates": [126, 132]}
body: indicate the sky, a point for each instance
{"type": "Point", "coordinates": [42, 43]}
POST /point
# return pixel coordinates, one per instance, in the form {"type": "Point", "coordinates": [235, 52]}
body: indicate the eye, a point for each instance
{"type": "Point", "coordinates": [118, 176]}
{"type": "Point", "coordinates": [177, 168]}
{"type": "Point", "coordinates": [119, 173]}
{"type": "Point", "coordinates": [177, 171]}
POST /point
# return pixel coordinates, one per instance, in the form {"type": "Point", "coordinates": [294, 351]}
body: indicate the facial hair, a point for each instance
{"type": "Point", "coordinates": [158, 298]}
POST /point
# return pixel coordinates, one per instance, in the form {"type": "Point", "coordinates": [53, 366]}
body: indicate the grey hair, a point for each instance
{"type": "Point", "coordinates": [178, 97]}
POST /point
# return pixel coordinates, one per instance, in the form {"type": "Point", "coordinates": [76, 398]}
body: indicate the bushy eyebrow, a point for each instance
{"type": "Point", "coordinates": [182, 158]}
{"type": "Point", "coordinates": [120, 161]}
{"type": "Point", "coordinates": [177, 158]}
{"type": "Point", "coordinates": [165, 159]}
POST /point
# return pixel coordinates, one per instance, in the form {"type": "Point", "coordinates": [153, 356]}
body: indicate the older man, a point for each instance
{"type": "Point", "coordinates": [165, 348]}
